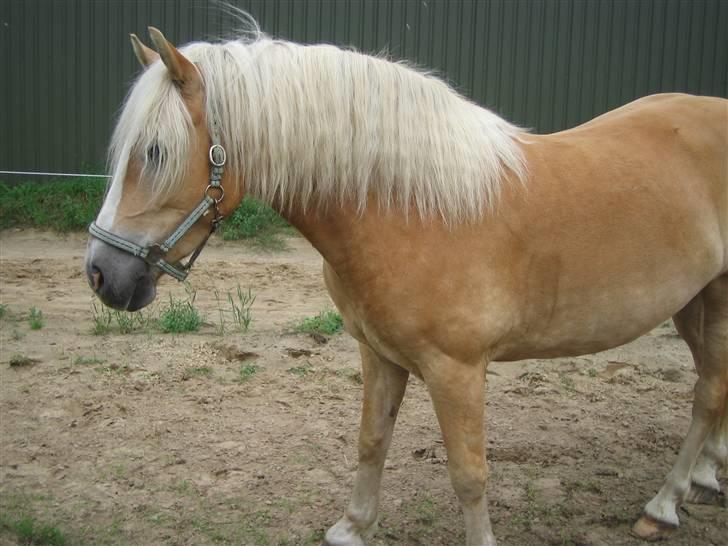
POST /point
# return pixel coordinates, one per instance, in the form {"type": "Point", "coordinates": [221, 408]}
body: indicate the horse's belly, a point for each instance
{"type": "Point", "coordinates": [589, 321]}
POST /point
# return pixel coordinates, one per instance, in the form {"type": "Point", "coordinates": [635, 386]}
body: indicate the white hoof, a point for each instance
{"type": "Point", "coordinates": [346, 533]}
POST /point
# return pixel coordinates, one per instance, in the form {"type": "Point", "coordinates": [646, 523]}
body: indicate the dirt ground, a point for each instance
{"type": "Point", "coordinates": [151, 438]}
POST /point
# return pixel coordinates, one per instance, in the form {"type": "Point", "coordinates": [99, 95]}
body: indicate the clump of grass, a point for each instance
{"type": "Point", "coordinates": [35, 318]}
{"type": "Point", "coordinates": [247, 371]}
{"type": "Point", "coordinates": [87, 360]}
{"type": "Point", "coordinates": [105, 320]}
{"type": "Point", "coordinates": [60, 205]}
{"type": "Point", "coordinates": [326, 323]}
{"type": "Point", "coordinates": [20, 361]}
{"type": "Point", "coordinates": [239, 309]}
{"type": "Point", "coordinates": [28, 530]}
{"type": "Point", "coordinates": [180, 315]}
{"type": "Point", "coordinates": [3, 310]}
{"type": "Point", "coordinates": [258, 223]}
{"type": "Point", "coordinates": [302, 370]}
{"type": "Point", "coordinates": [196, 371]}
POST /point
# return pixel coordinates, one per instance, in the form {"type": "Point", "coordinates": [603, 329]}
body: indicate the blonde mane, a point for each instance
{"type": "Point", "coordinates": [313, 125]}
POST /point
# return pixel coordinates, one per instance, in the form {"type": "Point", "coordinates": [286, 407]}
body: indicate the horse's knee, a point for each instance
{"type": "Point", "coordinates": [469, 481]}
{"type": "Point", "coordinates": [372, 448]}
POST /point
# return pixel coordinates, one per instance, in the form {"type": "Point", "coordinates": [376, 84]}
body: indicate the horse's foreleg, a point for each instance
{"type": "Point", "coordinates": [458, 394]}
{"type": "Point", "coordinates": [704, 325]}
{"type": "Point", "coordinates": [384, 386]}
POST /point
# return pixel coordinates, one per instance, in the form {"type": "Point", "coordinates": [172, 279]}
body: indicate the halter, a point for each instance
{"type": "Point", "coordinates": [154, 253]}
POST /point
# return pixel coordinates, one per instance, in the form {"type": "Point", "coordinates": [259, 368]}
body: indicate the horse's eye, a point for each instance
{"type": "Point", "coordinates": [153, 154]}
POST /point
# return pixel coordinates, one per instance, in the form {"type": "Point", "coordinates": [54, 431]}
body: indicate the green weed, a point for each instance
{"type": "Point", "coordinates": [326, 322]}
{"type": "Point", "coordinates": [247, 371]}
{"type": "Point", "coordinates": [239, 309]}
{"type": "Point", "coordinates": [35, 318]}
{"type": "Point", "coordinates": [101, 317]}
{"type": "Point", "coordinates": [3, 310]}
{"type": "Point", "coordinates": [28, 530]}
{"type": "Point", "coordinates": [202, 371]}
{"type": "Point", "coordinates": [87, 360]}
{"type": "Point", "coordinates": [301, 371]}
{"type": "Point", "coordinates": [20, 361]}
{"type": "Point", "coordinates": [180, 315]}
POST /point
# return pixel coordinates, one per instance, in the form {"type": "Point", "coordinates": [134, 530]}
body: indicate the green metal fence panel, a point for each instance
{"type": "Point", "coordinates": [543, 64]}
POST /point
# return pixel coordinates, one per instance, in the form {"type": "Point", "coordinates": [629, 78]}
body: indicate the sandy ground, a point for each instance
{"type": "Point", "coordinates": [150, 438]}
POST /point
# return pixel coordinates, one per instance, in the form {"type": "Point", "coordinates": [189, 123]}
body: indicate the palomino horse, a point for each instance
{"type": "Point", "coordinates": [450, 238]}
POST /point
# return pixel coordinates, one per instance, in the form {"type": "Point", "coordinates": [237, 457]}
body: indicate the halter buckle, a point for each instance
{"type": "Point", "coordinates": [217, 155]}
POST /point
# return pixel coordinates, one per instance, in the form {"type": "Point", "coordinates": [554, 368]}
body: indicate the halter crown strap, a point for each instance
{"type": "Point", "coordinates": [154, 254]}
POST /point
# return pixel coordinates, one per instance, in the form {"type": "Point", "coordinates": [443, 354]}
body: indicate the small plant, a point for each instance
{"type": "Point", "coordinates": [240, 309]}
{"type": "Point", "coordinates": [201, 371]}
{"type": "Point", "coordinates": [568, 383]}
{"type": "Point", "coordinates": [30, 531]}
{"type": "Point", "coordinates": [326, 323]}
{"type": "Point", "coordinates": [35, 318]}
{"type": "Point", "coordinates": [246, 372]}
{"type": "Point", "coordinates": [301, 371]}
{"type": "Point", "coordinates": [20, 361]}
{"type": "Point", "coordinates": [3, 310]}
{"type": "Point", "coordinates": [101, 317]}
{"type": "Point", "coordinates": [87, 360]}
{"type": "Point", "coordinates": [180, 315]}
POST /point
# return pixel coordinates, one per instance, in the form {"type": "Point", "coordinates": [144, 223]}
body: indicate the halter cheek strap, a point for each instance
{"type": "Point", "coordinates": [155, 253]}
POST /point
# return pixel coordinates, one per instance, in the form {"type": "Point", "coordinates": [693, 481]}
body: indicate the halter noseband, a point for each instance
{"type": "Point", "coordinates": [154, 253]}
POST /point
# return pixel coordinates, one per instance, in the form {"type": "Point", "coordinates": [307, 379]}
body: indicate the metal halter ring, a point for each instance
{"type": "Point", "coordinates": [217, 155]}
{"type": "Point", "coordinates": [219, 188]}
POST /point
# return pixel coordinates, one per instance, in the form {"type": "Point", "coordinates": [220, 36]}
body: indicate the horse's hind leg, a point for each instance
{"type": "Point", "coordinates": [458, 394]}
{"type": "Point", "coordinates": [704, 487]}
{"type": "Point", "coordinates": [704, 325]}
{"type": "Point", "coordinates": [384, 386]}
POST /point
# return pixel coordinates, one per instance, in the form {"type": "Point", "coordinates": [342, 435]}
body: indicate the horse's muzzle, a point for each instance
{"type": "Point", "coordinates": [120, 280]}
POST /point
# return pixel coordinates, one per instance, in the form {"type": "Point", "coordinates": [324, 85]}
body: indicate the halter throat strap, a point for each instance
{"type": "Point", "coordinates": [154, 254]}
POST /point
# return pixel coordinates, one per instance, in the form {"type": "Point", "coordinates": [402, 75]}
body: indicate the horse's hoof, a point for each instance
{"type": "Point", "coordinates": [651, 529]}
{"type": "Point", "coordinates": [700, 494]}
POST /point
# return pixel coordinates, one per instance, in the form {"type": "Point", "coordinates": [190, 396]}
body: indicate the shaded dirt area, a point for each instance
{"type": "Point", "coordinates": [151, 438]}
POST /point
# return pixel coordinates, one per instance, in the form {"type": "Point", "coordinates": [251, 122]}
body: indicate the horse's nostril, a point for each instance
{"type": "Point", "coordinates": [97, 280]}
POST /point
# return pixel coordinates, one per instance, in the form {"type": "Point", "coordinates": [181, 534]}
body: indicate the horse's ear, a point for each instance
{"type": "Point", "coordinates": [146, 55]}
{"type": "Point", "coordinates": [183, 72]}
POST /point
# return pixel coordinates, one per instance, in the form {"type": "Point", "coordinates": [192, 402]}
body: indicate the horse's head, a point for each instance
{"type": "Point", "coordinates": [165, 195]}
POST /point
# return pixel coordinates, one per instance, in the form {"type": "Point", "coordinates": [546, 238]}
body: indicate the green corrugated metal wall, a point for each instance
{"type": "Point", "coordinates": [545, 64]}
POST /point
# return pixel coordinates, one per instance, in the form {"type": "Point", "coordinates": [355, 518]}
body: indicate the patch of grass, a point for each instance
{"type": "Point", "coordinates": [3, 310]}
{"type": "Point", "coordinates": [351, 375]}
{"type": "Point", "coordinates": [247, 371]}
{"type": "Point", "coordinates": [20, 361]}
{"type": "Point", "coordinates": [326, 323]}
{"type": "Point", "coordinates": [302, 370]}
{"type": "Point", "coordinates": [180, 315]}
{"type": "Point", "coordinates": [258, 223]}
{"type": "Point", "coordinates": [568, 383]}
{"type": "Point", "coordinates": [424, 511]}
{"type": "Point", "coordinates": [29, 530]}
{"type": "Point", "coordinates": [592, 372]}
{"type": "Point", "coordinates": [87, 360]}
{"type": "Point", "coordinates": [239, 310]}
{"type": "Point", "coordinates": [35, 318]}
{"type": "Point", "coordinates": [201, 371]}
{"type": "Point", "coordinates": [60, 205]}
{"type": "Point", "coordinates": [107, 320]}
